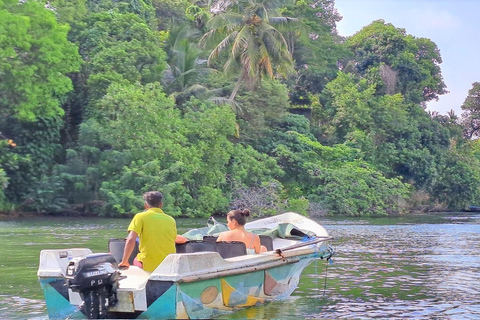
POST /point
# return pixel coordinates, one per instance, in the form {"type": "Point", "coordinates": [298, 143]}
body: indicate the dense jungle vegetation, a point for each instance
{"type": "Point", "coordinates": [235, 103]}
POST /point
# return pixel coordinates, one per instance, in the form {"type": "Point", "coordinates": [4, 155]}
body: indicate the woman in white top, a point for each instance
{"type": "Point", "coordinates": [236, 220]}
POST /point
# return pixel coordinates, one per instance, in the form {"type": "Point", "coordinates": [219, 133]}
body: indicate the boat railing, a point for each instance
{"type": "Point", "coordinates": [303, 243]}
{"type": "Point", "coordinates": [209, 244]}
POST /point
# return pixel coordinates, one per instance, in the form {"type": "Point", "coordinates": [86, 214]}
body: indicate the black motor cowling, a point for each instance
{"type": "Point", "coordinates": [95, 277]}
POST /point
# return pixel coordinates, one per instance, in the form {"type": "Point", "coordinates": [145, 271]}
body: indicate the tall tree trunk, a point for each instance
{"type": "Point", "coordinates": [237, 85]}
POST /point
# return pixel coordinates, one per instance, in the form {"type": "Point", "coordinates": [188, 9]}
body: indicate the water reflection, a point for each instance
{"type": "Point", "coordinates": [416, 267]}
{"type": "Point", "coordinates": [407, 271]}
{"type": "Point", "coordinates": [12, 307]}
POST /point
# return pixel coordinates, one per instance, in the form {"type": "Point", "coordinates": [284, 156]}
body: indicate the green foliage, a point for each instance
{"type": "Point", "coordinates": [368, 145]}
{"type": "Point", "coordinates": [168, 10]}
{"type": "Point", "coordinates": [81, 178]}
{"type": "Point", "coordinates": [299, 205]}
{"type": "Point", "coordinates": [136, 140]}
{"type": "Point", "coordinates": [47, 195]}
{"type": "Point", "coordinates": [3, 180]}
{"type": "Point", "coordinates": [368, 193]}
{"type": "Point", "coordinates": [35, 58]}
{"type": "Point", "coordinates": [378, 126]}
{"type": "Point", "coordinates": [457, 183]}
{"type": "Point", "coordinates": [119, 201]}
{"type": "Point", "coordinates": [130, 128]}
{"type": "Point", "coordinates": [142, 9]}
{"type": "Point", "coordinates": [337, 179]}
{"type": "Point", "coordinates": [280, 134]}
{"type": "Point", "coordinates": [197, 14]}
{"type": "Point", "coordinates": [347, 106]}
{"type": "Point", "coordinates": [316, 51]}
{"type": "Point", "coordinates": [248, 167]}
{"type": "Point", "coordinates": [397, 62]}
{"type": "Point", "coordinates": [37, 145]}
{"type": "Point", "coordinates": [69, 12]}
{"type": "Point", "coordinates": [3, 186]}
{"type": "Point", "coordinates": [133, 117]}
{"type": "Point", "coordinates": [9, 160]}
{"type": "Point", "coordinates": [118, 48]}
{"type": "Point", "coordinates": [261, 108]}
{"type": "Point", "coordinates": [397, 138]}
{"type": "Point", "coordinates": [471, 112]}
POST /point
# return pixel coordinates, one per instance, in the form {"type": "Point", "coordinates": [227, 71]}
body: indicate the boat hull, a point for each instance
{"type": "Point", "coordinates": [197, 297]}
{"type": "Point", "coordinates": [205, 299]}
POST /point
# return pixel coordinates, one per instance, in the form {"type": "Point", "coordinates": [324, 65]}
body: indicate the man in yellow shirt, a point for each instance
{"type": "Point", "coordinates": [157, 232]}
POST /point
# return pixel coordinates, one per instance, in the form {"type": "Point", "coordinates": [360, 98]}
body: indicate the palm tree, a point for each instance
{"type": "Point", "coordinates": [186, 70]}
{"type": "Point", "coordinates": [257, 48]}
{"type": "Point", "coordinates": [184, 66]}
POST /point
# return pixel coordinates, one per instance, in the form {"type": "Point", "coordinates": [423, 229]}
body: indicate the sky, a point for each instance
{"type": "Point", "coordinates": [453, 25]}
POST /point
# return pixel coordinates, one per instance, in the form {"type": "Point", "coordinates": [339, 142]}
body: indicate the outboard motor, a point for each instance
{"type": "Point", "coordinates": [95, 277]}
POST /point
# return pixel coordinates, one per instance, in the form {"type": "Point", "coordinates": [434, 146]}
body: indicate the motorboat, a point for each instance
{"type": "Point", "coordinates": [204, 279]}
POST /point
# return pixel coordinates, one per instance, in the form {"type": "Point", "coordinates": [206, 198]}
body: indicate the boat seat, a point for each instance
{"type": "Point", "coordinates": [266, 241]}
{"type": "Point", "coordinates": [195, 246]}
{"type": "Point", "coordinates": [210, 238]}
{"type": "Point", "coordinates": [225, 249]}
{"type": "Point", "coordinates": [231, 249]}
{"type": "Point", "coordinates": [116, 247]}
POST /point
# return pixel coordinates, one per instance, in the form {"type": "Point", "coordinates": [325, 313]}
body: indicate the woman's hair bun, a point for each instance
{"type": "Point", "coordinates": [245, 212]}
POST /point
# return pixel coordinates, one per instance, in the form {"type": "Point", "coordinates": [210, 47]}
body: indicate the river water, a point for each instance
{"type": "Point", "coordinates": [414, 267]}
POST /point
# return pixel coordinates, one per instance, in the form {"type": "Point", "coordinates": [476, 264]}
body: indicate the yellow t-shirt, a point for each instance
{"type": "Point", "coordinates": [157, 232]}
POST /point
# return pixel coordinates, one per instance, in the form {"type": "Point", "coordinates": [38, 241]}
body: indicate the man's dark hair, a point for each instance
{"type": "Point", "coordinates": [153, 198]}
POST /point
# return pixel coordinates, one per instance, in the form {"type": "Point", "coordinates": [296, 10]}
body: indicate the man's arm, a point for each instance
{"type": "Point", "coordinates": [129, 246]}
{"type": "Point", "coordinates": [180, 239]}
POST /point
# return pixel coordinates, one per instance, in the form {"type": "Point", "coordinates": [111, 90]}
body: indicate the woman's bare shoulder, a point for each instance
{"type": "Point", "coordinates": [224, 236]}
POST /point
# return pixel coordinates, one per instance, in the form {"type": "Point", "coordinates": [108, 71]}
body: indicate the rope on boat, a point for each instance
{"type": "Point", "coordinates": [329, 261]}
{"type": "Point", "coordinates": [326, 276]}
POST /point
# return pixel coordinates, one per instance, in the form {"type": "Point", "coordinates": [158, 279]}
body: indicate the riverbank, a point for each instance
{"type": "Point", "coordinates": [75, 214]}
{"type": "Point", "coordinates": [14, 215]}
{"type": "Point", "coordinates": [36, 215]}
